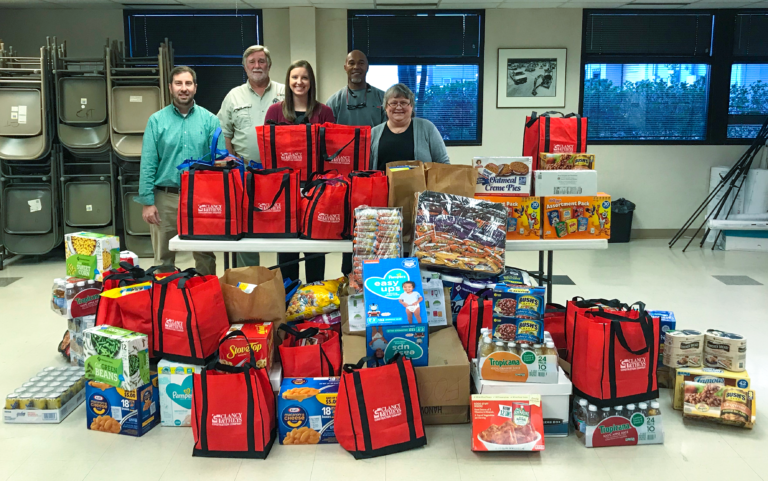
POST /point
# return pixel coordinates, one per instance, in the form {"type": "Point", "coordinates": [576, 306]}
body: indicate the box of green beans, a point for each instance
{"type": "Point", "coordinates": [116, 356]}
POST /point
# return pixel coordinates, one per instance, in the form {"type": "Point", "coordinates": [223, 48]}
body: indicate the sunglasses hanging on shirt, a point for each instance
{"type": "Point", "coordinates": [365, 99]}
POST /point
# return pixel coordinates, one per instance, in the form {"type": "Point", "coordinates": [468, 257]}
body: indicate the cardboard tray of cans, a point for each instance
{"type": "Point", "coordinates": [46, 398]}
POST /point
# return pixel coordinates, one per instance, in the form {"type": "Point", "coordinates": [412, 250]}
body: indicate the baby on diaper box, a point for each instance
{"type": "Point", "coordinates": [396, 315]}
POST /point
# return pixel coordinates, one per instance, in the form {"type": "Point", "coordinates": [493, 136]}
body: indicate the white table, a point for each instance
{"type": "Point", "coordinates": [314, 246]}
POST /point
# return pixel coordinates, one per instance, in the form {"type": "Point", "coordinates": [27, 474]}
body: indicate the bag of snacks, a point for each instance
{"type": "Point", "coordinates": [378, 410]}
{"type": "Point", "coordinates": [233, 410]}
{"type": "Point", "coordinates": [377, 236]}
{"type": "Point", "coordinates": [457, 233]}
{"type": "Point", "coordinates": [310, 350]}
{"type": "Point", "coordinates": [314, 299]}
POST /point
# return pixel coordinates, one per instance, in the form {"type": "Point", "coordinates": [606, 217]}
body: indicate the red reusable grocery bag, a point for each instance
{"type": "Point", "coordinates": [344, 148]}
{"type": "Point", "coordinates": [233, 410]}
{"type": "Point", "coordinates": [369, 188]}
{"type": "Point", "coordinates": [325, 208]}
{"type": "Point", "coordinates": [271, 203]}
{"type": "Point", "coordinates": [291, 146]}
{"type": "Point", "coordinates": [580, 305]}
{"type": "Point", "coordinates": [310, 360]}
{"type": "Point", "coordinates": [209, 203]}
{"type": "Point", "coordinates": [378, 410]}
{"type": "Point", "coordinates": [475, 314]}
{"type": "Point", "coordinates": [554, 323]}
{"type": "Point", "coordinates": [554, 135]}
{"type": "Point", "coordinates": [189, 316]}
{"type": "Point", "coordinates": [615, 356]}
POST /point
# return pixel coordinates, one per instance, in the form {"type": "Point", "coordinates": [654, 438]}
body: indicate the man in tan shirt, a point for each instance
{"type": "Point", "coordinates": [244, 108]}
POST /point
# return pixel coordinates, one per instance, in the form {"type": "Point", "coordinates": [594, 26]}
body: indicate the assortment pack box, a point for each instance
{"type": "Point", "coordinates": [175, 385]}
{"type": "Point", "coordinates": [717, 378]}
{"type": "Point", "coordinates": [305, 410]}
{"type": "Point", "coordinates": [565, 182]}
{"type": "Point", "coordinates": [505, 176]}
{"type": "Point", "coordinates": [507, 422]}
{"type": "Point", "coordinates": [566, 161]}
{"type": "Point", "coordinates": [523, 218]}
{"type": "Point", "coordinates": [235, 351]}
{"type": "Point", "coordinates": [116, 356]}
{"type": "Point", "coordinates": [639, 429]}
{"type": "Point", "coordinates": [555, 404]}
{"type": "Point", "coordinates": [90, 255]}
{"type": "Point", "coordinates": [396, 316]}
{"type": "Point", "coordinates": [443, 384]}
{"type": "Point", "coordinates": [114, 410]}
{"type": "Point", "coordinates": [577, 217]}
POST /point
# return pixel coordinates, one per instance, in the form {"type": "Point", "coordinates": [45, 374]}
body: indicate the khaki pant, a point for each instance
{"type": "Point", "coordinates": [168, 209]}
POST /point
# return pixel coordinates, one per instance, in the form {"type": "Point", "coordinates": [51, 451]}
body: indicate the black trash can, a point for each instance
{"type": "Point", "coordinates": [622, 211]}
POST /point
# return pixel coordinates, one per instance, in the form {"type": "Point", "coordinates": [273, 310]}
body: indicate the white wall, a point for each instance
{"type": "Point", "coordinates": [666, 182]}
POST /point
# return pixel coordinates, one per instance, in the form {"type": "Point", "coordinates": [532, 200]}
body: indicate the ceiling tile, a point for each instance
{"type": "Point", "coordinates": [405, 2]}
{"type": "Point", "coordinates": [276, 3]}
{"type": "Point", "coordinates": [593, 4]}
{"type": "Point", "coordinates": [719, 4]}
{"type": "Point", "coordinates": [458, 5]}
{"type": "Point", "coordinates": [26, 4]}
{"type": "Point", "coordinates": [540, 4]}
{"type": "Point", "coordinates": [351, 6]}
{"type": "Point", "coordinates": [144, 2]}
{"type": "Point", "coordinates": [643, 7]}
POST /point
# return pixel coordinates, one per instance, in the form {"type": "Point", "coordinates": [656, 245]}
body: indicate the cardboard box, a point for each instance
{"type": "Point", "coordinates": [733, 406]}
{"type": "Point", "coordinates": [438, 310]}
{"type": "Point", "coordinates": [396, 316]}
{"type": "Point", "coordinates": [116, 356]}
{"type": "Point", "coordinates": [666, 322]}
{"type": "Point", "coordinates": [90, 255]}
{"type": "Point", "coordinates": [505, 176]}
{"type": "Point", "coordinates": [507, 422]}
{"type": "Point", "coordinates": [305, 410]}
{"type": "Point", "coordinates": [707, 375]}
{"type": "Point", "coordinates": [565, 182]}
{"type": "Point", "coordinates": [577, 217]}
{"type": "Point", "coordinates": [132, 413]}
{"type": "Point", "coordinates": [175, 385]}
{"type": "Point", "coordinates": [555, 398]}
{"type": "Point", "coordinates": [566, 161]}
{"type": "Point", "coordinates": [524, 215]}
{"type": "Point", "coordinates": [236, 352]}
{"type": "Point", "coordinates": [443, 385]}
{"type": "Point", "coordinates": [525, 368]}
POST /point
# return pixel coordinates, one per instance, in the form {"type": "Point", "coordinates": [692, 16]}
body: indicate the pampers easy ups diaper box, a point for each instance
{"type": "Point", "coordinates": [577, 217]}
{"type": "Point", "coordinates": [305, 410]}
{"type": "Point", "coordinates": [175, 380]}
{"type": "Point", "coordinates": [396, 315]}
{"type": "Point", "coordinates": [114, 410]}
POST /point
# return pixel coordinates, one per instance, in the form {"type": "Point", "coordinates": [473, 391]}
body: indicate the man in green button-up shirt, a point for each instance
{"type": "Point", "coordinates": [180, 131]}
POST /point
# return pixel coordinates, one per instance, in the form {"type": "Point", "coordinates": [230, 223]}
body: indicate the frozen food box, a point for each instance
{"type": "Point", "coordinates": [305, 410]}
{"type": "Point", "coordinates": [119, 411]}
{"type": "Point", "coordinates": [396, 314]}
{"type": "Point", "coordinates": [505, 176]}
{"type": "Point", "coordinates": [235, 351]}
{"type": "Point", "coordinates": [116, 356]}
{"type": "Point", "coordinates": [708, 376]}
{"type": "Point", "coordinates": [507, 422]}
{"type": "Point", "coordinates": [90, 255]}
{"type": "Point", "coordinates": [565, 182]}
{"type": "Point", "coordinates": [523, 215]}
{"type": "Point", "coordinates": [591, 213]}
{"type": "Point", "coordinates": [566, 161]}
{"type": "Point", "coordinates": [175, 382]}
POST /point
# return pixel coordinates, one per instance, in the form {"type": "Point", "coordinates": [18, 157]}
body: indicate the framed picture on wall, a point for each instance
{"type": "Point", "coordinates": [531, 78]}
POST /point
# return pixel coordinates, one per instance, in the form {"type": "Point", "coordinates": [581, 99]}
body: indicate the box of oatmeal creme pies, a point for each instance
{"type": "Point", "coordinates": [116, 356]}
{"type": "Point", "coordinates": [504, 176]}
{"type": "Point", "coordinates": [305, 410]}
{"type": "Point", "coordinates": [118, 411]}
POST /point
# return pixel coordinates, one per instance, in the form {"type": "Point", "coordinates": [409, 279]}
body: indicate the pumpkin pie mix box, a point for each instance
{"type": "Point", "coordinates": [507, 422]}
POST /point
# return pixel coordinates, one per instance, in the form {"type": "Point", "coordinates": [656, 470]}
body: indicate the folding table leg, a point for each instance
{"type": "Point", "coordinates": [550, 259]}
{"type": "Point", "coordinates": [226, 261]}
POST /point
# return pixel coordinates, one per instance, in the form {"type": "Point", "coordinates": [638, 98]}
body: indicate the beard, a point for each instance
{"type": "Point", "coordinates": [258, 76]}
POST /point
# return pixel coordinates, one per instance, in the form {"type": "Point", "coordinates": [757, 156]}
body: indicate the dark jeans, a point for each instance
{"type": "Point", "coordinates": [315, 268]}
{"type": "Point", "coordinates": [346, 263]}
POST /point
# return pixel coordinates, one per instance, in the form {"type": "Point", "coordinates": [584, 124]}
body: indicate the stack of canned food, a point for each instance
{"type": "Point", "coordinates": [51, 388]}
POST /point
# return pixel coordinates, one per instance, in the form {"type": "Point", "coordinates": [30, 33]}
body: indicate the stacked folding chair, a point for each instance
{"type": "Point", "coordinates": [29, 197]}
{"type": "Point", "coordinates": [85, 161]}
{"type": "Point", "coordinates": [137, 87]}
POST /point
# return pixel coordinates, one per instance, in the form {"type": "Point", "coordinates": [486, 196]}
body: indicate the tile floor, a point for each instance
{"type": "Point", "coordinates": [643, 270]}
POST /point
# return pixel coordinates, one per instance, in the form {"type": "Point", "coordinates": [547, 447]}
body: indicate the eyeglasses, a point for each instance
{"type": "Point", "coordinates": [394, 105]}
{"type": "Point", "coordinates": [357, 106]}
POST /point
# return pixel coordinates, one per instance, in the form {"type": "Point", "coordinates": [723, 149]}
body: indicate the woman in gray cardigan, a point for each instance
{"type": "Point", "coordinates": [403, 136]}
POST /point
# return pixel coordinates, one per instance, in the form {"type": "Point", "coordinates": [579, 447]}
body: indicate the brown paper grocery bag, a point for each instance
{"type": "Point", "coordinates": [451, 179]}
{"type": "Point", "coordinates": [403, 185]}
{"type": "Point", "coordinates": [265, 304]}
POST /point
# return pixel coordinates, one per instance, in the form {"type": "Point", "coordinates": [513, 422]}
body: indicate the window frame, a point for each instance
{"type": "Point", "coordinates": [406, 60]}
{"type": "Point", "coordinates": [720, 61]}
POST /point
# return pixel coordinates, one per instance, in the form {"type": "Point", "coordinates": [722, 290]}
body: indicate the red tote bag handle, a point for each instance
{"type": "Point", "coordinates": [324, 157]}
{"type": "Point", "coordinates": [310, 332]}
